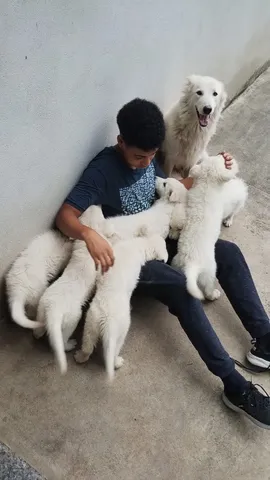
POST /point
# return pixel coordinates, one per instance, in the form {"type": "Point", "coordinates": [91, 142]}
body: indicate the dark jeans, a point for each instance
{"type": "Point", "coordinates": [168, 285]}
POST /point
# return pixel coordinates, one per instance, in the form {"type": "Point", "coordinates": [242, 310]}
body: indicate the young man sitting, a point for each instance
{"type": "Point", "coordinates": [122, 179]}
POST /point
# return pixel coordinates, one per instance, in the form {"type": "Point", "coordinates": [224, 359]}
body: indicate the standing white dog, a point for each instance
{"type": "Point", "coordinates": [44, 258]}
{"type": "Point", "coordinates": [205, 212]}
{"type": "Point", "coordinates": [191, 123]}
{"type": "Point", "coordinates": [60, 306]}
{"type": "Point", "coordinates": [109, 313]}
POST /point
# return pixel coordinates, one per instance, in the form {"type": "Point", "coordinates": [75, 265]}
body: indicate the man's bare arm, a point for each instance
{"type": "Point", "coordinates": [67, 220]}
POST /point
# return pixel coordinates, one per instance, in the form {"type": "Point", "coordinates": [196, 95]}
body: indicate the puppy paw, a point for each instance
{"type": "Point", "coordinates": [214, 296]}
{"type": "Point", "coordinates": [80, 356]}
{"type": "Point", "coordinates": [228, 222]}
{"type": "Point", "coordinates": [70, 345]}
{"type": "Point", "coordinates": [119, 361]}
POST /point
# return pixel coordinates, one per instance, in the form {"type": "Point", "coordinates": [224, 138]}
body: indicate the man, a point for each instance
{"type": "Point", "coordinates": [122, 180]}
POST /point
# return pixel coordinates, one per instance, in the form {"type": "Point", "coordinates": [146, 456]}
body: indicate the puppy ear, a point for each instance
{"type": "Point", "coordinates": [174, 197]}
{"type": "Point", "coordinates": [195, 171]}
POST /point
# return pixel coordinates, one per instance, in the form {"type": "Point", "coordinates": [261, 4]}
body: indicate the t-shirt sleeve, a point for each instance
{"type": "Point", "coordinates": [158, 170]}
{"type": "Point", "coordinates": [90, 189]}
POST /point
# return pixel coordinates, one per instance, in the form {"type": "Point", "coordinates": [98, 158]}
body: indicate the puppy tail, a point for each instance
{"type": "Point", "coordinates": [19, 317]}
{"type": "Point", "coordinates": [54, 327]}
{"type": "Point", "coordinates": [192, 273]}
{"type": "Point", "coordinates": [109, 346]}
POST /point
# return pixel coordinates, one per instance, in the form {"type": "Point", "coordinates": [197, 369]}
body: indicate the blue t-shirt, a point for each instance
{"type": "Point", "coordinates": [110, 182]}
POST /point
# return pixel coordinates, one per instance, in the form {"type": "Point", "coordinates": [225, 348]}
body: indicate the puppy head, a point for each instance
{"type": "Point", "coordinates": [170, 189]}
{"type": "Point", "coordinates": [213, 168]}
{"type": "Point", "coordinates": [206, 97]}
{"type": "Point", "coordinates": [156, 249]}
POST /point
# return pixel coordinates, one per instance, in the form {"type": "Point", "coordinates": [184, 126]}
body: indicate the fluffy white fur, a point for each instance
{"type": "Point", "coordinates": [205, 212]}
{"type": "Point", "coordinates": [174, 191]}
{"type": "Point", "coordinates": [45, 257]}
{"type": "Point", "coordinates": [60, 306]}
{"type": "Point", "coordinates": [234, 195]}
{"type": "Point", "coordinates": [108, 317]}
{"type": "Point", "coordinates": [188, 128]}
{"type": "Point", "coordinates": [155, 220]}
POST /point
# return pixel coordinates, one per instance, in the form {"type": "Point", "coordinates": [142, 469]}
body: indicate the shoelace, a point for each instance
{"type": "Point", "coordinates": [255, 396]}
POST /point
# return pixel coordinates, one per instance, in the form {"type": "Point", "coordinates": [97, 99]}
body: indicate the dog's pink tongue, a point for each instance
{"type": "Point", "coordinates": [204, 120]}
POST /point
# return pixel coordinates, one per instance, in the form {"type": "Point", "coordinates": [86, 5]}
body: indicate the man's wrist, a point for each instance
{"type": "Point", "coordinates": [85, 231]}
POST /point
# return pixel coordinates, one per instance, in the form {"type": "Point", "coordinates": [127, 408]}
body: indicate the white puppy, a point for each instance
{"type": "Point", "coordinates": [155, 220]}
{"type": "Point", "coordinates": [45, 257]}
{"type": "Point", "coordinates": [60, 306]}
{"type": "Point", "coordinates": [191, 123]}
{"type": "Point", "coordinates": [174, 191]}
{"type": "Point", "coordinates": [108, 317]}
{"type": "Point", "coordinates": [205, 212]}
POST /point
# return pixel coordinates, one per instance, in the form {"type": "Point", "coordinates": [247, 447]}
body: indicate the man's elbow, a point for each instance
{"type": "Point", "coordinates": [59, 218]}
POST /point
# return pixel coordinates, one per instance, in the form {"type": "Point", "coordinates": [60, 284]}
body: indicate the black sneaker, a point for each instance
{"type": "Point", "coordinates": [259, 355]}
{"type": "Point", "coordinates": [251, 403]}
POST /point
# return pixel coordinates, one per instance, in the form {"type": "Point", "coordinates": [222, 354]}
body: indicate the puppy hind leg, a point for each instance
{"type": "Point", "coordinates": [207, 284]}
{"type": "Point", "coordinates": [118, 360]}
{"type": "Point", "coordinates": [69, 325]}
{"type": "Point", "coordinates": [90, 338]}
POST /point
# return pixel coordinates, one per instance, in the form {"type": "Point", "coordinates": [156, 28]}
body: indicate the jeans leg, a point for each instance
{"type": "Point", "coordinates": [235, 278]}
{"type": "Point", "coordinates": [168, 285]}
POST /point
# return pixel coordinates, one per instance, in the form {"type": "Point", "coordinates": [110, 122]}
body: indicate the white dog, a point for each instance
{"type": "Point", "coordinates": [109, 313]}
{"type": "Point", "coordinates": [191, 123]}
{"type": "Point", "coordinates": [45, 257]}
{"type": "Point", "coordinates": [205, 212]}
{"type": "Point", "coordinates": [60, 306]}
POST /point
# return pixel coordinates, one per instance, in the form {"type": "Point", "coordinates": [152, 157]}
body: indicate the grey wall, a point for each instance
{"type": "Point", "coordinates": [67, 66]}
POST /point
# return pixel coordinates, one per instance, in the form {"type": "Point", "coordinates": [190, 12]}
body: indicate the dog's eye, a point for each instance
{"type": "Point", "coordinates": [199, 92]}
{"type": "Point", "coordinates": [164, 184]}
{"type": "Point", "coordinates": [215, 94]}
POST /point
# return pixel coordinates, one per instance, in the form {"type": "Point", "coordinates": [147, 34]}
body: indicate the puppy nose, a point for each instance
{"type": "Point", "coordinates": [207, 110]}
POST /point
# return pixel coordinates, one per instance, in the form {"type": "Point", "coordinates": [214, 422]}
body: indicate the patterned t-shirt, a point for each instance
{"type": "Point", "coordinates": [110, 182]}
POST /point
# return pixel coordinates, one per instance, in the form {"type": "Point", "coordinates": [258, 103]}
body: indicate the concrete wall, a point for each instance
{"type": "Point", "coordinates": [67, 66]}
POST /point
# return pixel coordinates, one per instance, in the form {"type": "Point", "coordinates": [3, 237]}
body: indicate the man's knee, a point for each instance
{"type": "Point", "coordinates": [227, 254]}
{"type": "Point", "coordinates": [159, 273]}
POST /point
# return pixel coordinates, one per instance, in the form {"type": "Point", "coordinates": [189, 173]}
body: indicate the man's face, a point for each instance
{"type": "Point", "coordinates": [135, 157]}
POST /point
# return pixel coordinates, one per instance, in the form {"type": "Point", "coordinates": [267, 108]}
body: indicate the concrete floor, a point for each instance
{"type": "Point", "coordinates": [163, 417]}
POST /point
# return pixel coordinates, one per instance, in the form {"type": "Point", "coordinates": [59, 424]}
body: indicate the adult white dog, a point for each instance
{"type": "Point", "coordinates": [44, 258]}
{"type": "Point", "coordinates": [205, 212]}
{"type": "Point", "coordinates": [108, 317]}
{"type": "Point", "coordinates": [60, 306]}
{"type": "Point", "coordinates": [191, 123]}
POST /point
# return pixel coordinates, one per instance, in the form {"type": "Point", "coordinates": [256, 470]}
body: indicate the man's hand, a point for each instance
{"type": "Point", "coordinates": [228, 160]}
{"type": "Point", "coordinates": [99, 249]}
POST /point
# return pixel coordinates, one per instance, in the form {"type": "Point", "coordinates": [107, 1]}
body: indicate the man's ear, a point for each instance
{"type": "Point", "coordinates": [195, 171]}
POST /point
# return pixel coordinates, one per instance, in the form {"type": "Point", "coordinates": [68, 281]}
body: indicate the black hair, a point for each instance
{"type": "Point", "coordinates": [141, 124]}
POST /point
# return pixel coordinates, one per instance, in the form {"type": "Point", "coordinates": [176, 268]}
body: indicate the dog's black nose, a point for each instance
{"type": "Point", "coordinates": [207, 110]}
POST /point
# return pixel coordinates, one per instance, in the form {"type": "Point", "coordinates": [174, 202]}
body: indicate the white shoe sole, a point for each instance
{"type": "Point", "coordinates": [239, 410]}
{"type": "Point", "coordinates": [257, 361]}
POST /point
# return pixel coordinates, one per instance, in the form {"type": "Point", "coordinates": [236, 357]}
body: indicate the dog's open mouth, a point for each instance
{"type": "Point", "coordinates": [203, 119]}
